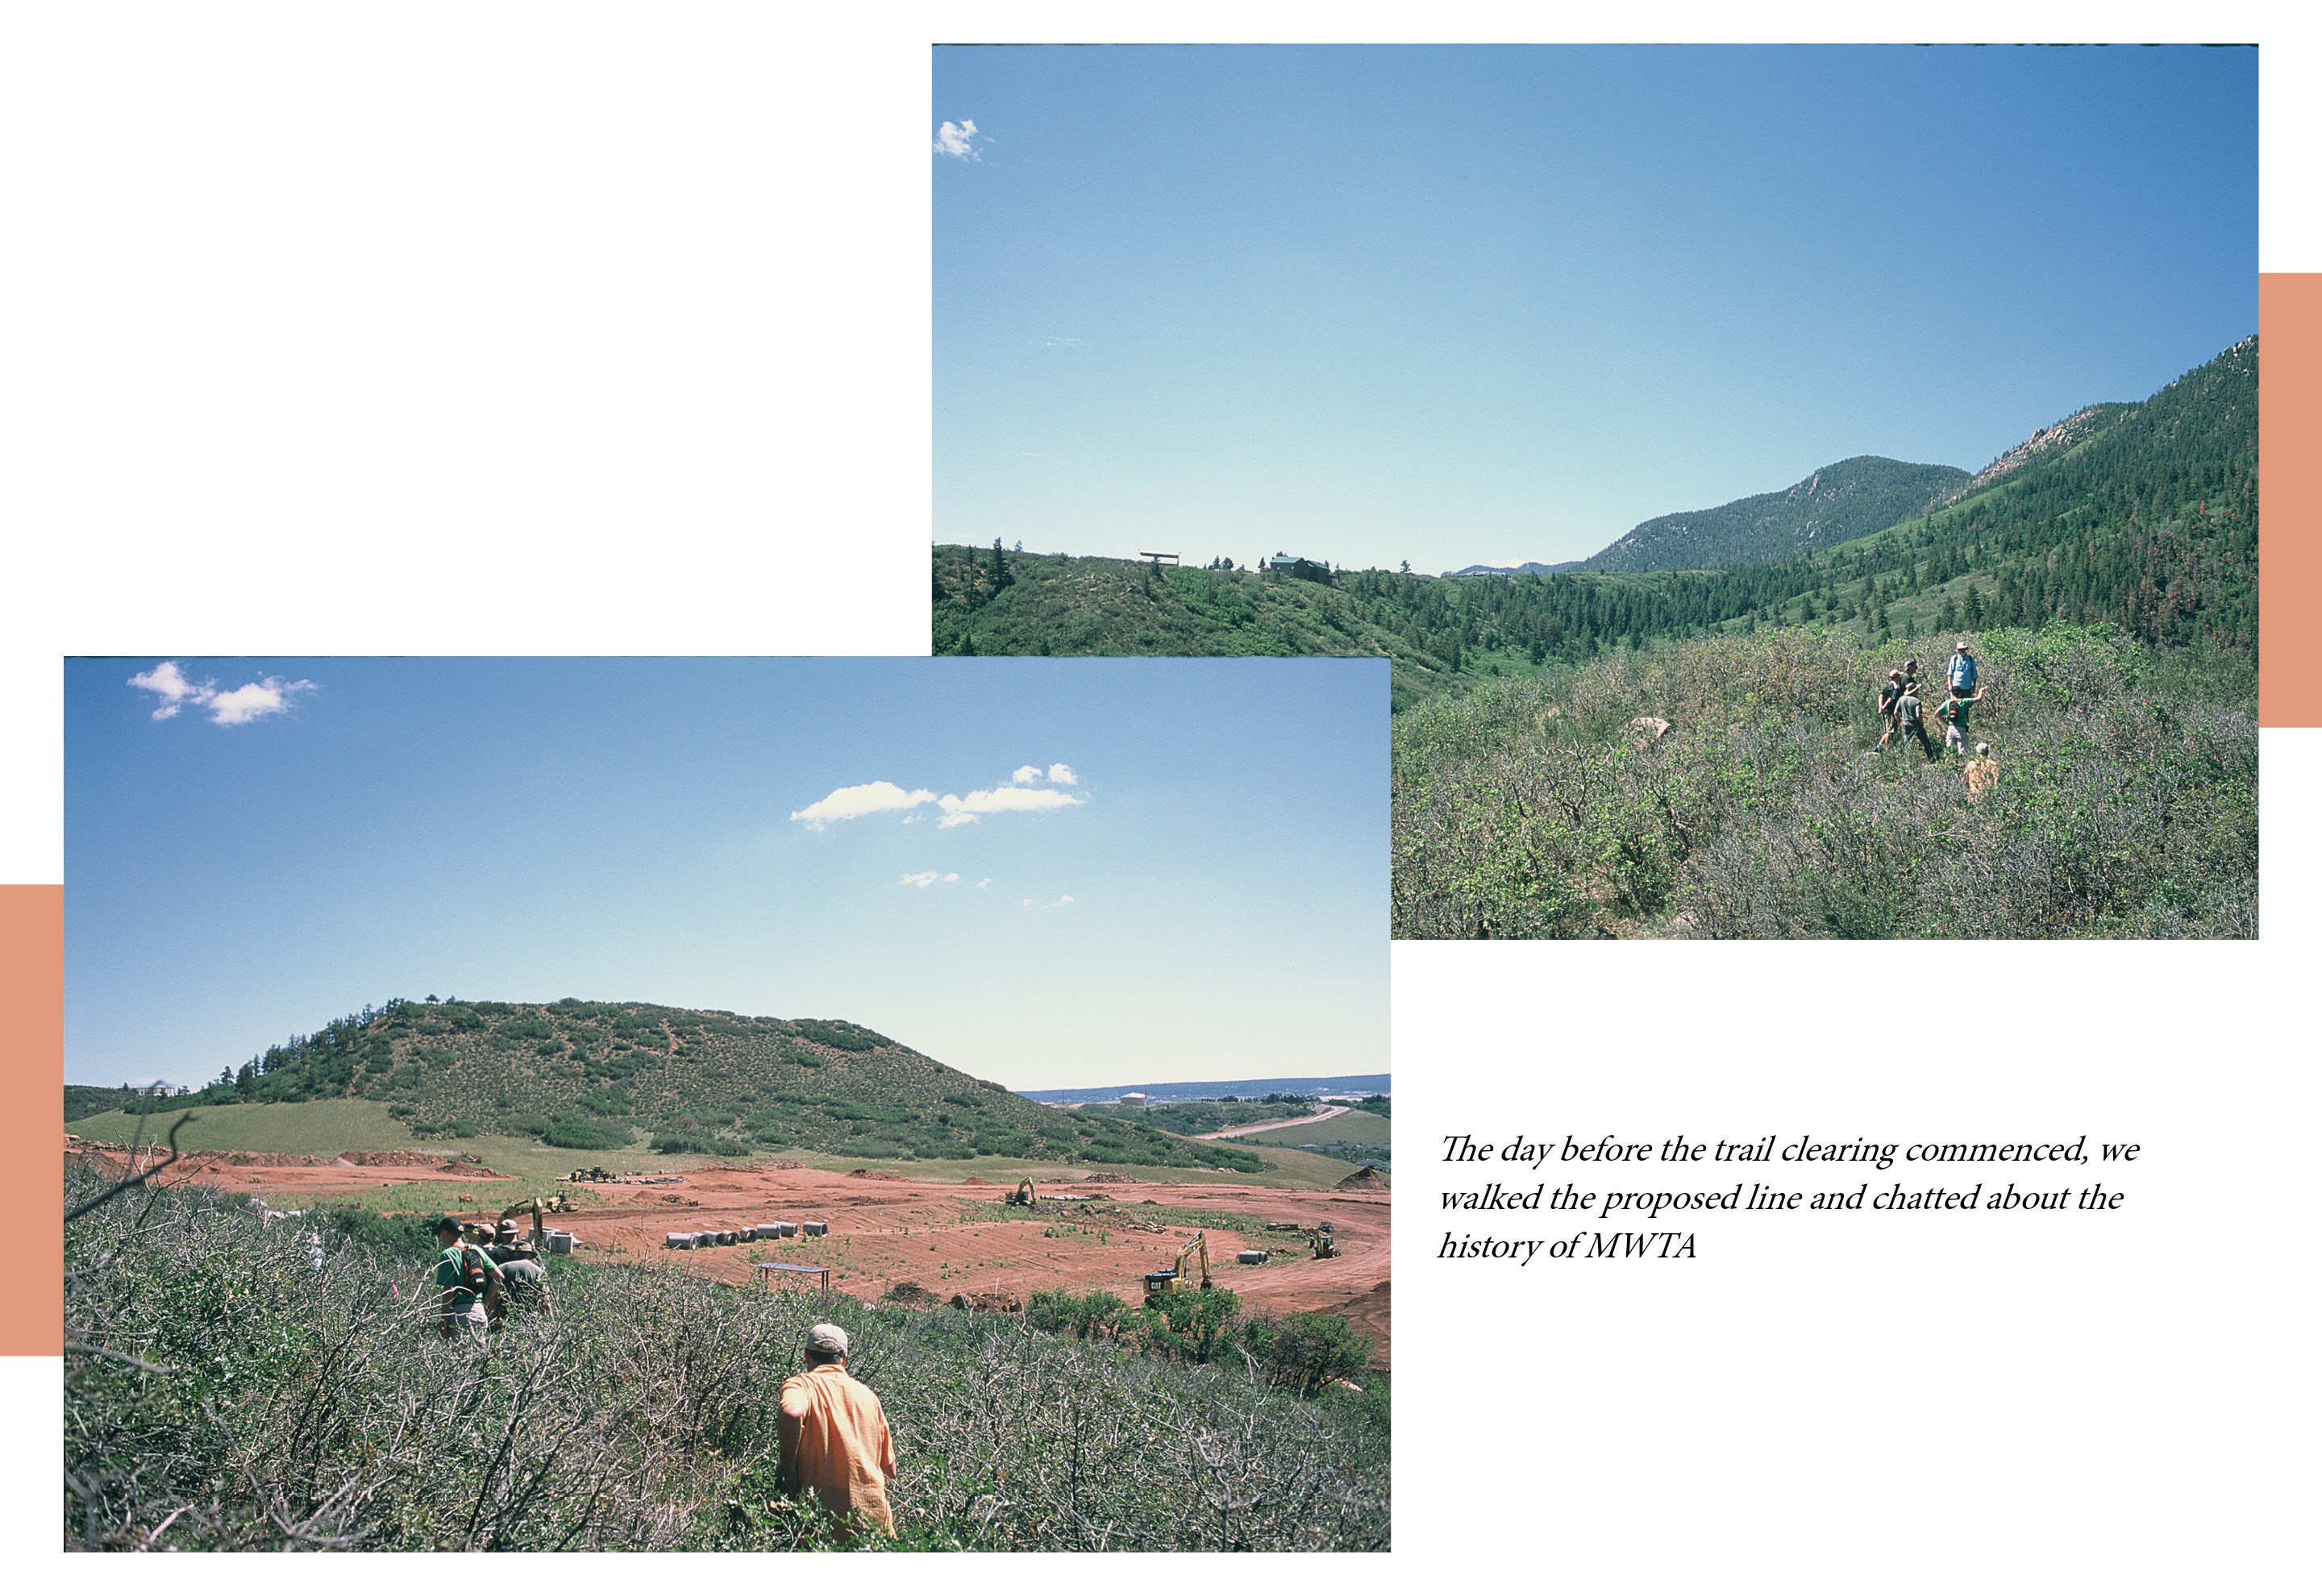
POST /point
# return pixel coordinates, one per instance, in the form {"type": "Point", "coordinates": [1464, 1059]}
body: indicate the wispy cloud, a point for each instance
{"type": "Point", "coordinates": [872, 798]}
{"type": "Point", "coordinates": [1061, 902]}
{"type": "Point", "coordinates": [1000, 800]}
{"type": "Point", "coordinates": [233, 707]}
{"type": "Point", "coordinates": [985, 882]}
{"type": "Point", "coordinates": [851, 803]}
{"type": "Point", "coordinates": [954, 139]}
{"type": "Point", "coordinates": [928, 878]}
{"type": "Point", "coordinates": [1058, 343]}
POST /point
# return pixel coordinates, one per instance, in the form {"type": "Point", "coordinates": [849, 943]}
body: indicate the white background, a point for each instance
{"type": "Point", "coordinates": [604, 329]}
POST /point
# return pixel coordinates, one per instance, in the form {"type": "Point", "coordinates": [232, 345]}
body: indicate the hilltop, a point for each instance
{"type": "Point", "coordinates": [1835, 504]}
{"type": "Point", "coordinates": [597, 1075]}
{"type": "Point", "coordinates": [2141, 516]}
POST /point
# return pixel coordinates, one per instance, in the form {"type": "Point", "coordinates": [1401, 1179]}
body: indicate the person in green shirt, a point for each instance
{"type": "Point", "coordinates": [1953, 712]}
{"type": "Point", "coordinates": [471, 1282]}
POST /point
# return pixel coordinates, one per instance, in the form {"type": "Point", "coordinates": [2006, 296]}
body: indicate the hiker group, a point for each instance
{"type": "Point", "coordinates": [1900, 707]}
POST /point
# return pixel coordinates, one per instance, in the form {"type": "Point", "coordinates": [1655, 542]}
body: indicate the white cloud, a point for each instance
{"type": "Point", "coordinates": [999, 801]}
{"type": "Point", "coordinates": [851, 803]}
{"type": "Point", "coordinates": [925, 878]}
{"type": "Point", "coordinates": [1060, 902]}
{"type": "Point", "coordinates": [236, 707]}
{"type": "Point", "coordinates": [952, 139]}
{"type": "Point", "coordinates": [1024, 773]}
{"type": "Point", "coordinates": [1062, 775]}
{"type": "Point", "coordinates": [167, 680]}
{"type": "Point", "coordinates": [985, 882]}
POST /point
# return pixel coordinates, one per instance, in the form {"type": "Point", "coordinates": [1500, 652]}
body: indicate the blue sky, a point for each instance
{"type": "Point", "coordinates": [1087, 870]}
{"type": "Point", "coordinates": [1448, 304]}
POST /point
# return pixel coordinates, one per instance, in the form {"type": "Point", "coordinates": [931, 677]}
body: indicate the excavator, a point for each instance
{"type": "Point", "coordinates": [1173, 1279]}
{"type": "Point", "coordinates": [1325, 1239]}
{"type": "Point", "coordinates": [1024, 1196]}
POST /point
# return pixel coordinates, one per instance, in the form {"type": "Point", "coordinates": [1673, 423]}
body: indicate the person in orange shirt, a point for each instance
{"type": "Point", "coordinates": [834, 1434]}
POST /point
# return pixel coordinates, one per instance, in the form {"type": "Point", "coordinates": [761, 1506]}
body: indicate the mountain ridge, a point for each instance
{"type": "Point", "coordinates": [1834, 504]}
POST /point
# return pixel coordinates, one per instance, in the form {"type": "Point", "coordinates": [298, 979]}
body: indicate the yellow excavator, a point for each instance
{"type": "Point", "coordinates": [1024, 1197]}
{"type": "Point", "coordinates": [1173, 1279]}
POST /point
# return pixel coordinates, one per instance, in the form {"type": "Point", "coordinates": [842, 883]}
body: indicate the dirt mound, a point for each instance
{"type": "Point", "coordinates": [909, 1293]}
{"type": "Point", "coordinates": [977, 1180]}
{"type": "Point", "coordinates": [1109, 1179]}
{"type": "Point", "coordinates": [872, 1175]}
{"type": "Point", "coordinates": [1365, 1179]}
{"type": "Point", "coordinates": [404, 1159]}
{"type": "Point", "coordinates": [989, 1302]}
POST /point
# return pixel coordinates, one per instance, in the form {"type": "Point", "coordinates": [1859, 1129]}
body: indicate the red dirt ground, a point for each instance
{"type": "Point", "coordinates": [887, 1230]}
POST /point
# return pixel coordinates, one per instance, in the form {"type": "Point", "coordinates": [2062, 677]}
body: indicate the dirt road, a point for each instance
{"type": "Point", "coordinates": [1331, 1112]}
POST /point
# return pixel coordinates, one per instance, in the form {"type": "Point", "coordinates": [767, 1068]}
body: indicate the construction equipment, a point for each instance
{"type": "Point", "coordinates": [1325, 1239]}
{"type": "Point", "coordinates": [599, 1173]}
{"type": "Point", "coordinates": [1161, 1281]}
{"type": "Point", "coordinates": [1024, 1196]}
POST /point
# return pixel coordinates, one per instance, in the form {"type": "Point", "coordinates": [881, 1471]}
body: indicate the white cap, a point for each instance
{"type": "Point", "coordinates": [826, 1342]}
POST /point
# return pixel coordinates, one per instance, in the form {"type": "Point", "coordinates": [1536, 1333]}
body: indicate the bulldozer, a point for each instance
{"type": "Point", "coordinates": [1161, 1281]}
{"type": "Point", "coordinates": [1024, 1196]}
{"type": "Point", "coordinates": [1325, 1240]}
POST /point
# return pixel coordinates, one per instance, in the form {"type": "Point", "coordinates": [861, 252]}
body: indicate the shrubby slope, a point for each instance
{"type": "Point", "coordinates": [2126, 802]}
{"type": "Point", "coordinates": [225, 1390]}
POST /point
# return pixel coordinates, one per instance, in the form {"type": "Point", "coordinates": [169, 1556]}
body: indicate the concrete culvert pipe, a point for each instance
{"type": "Point", "coordinates": [818, 1227]}
{"type": "Point", "coordinates": [1250, 1255]}
{"type": "Point", "coordinates": [768, 1232]}
{"type": "Point", "coordinates": [677, 1239]}
{"type": "Point", "coordinates": [783, 1227]}
{"type": "Point", "coordinates": [560, 1244]}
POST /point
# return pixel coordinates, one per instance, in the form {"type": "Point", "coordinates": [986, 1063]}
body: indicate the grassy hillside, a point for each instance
{"type": "Point", "coordinates": [2125, 803]}
{"type": "Point", "coordinates": [596, 1076]}
{"type": "Point", "coordinates": [1835, 504]}
{"type": "Point", "coordinates": [2142, 516]}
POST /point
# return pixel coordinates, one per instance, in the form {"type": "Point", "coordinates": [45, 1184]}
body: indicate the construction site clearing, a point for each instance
{"type": "Point", "coordinates": [889, 1237]}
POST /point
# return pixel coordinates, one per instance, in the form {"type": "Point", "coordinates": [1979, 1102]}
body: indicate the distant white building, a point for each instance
{"type": "Point", "coordinates": [1132, 1100]}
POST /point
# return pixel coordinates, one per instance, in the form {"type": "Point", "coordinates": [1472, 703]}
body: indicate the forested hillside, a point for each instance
{"type": "Point", "coordinates": [2142, 516]}
{"type": "Point", "coordinates": [1834, 504]}
{"type": "Point", "coordinates": [597, 1075]}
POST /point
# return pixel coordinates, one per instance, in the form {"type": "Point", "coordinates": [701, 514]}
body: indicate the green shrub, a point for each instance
{"type": "Point", "coordinates": [588, 1135]}
{"type": "Point", "coordinates": [1308, 1350]}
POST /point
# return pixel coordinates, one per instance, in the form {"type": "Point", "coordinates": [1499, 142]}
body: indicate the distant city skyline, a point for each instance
{"type": "Point", "coordinates": [1042, 872]}
{"type": "Point", "coordinates": [1461, 305]}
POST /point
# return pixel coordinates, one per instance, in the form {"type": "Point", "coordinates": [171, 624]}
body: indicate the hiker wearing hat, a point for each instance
{"type": "Point", "coordinates": [1953, 712]}
{"type": "Point", "coordinates": [1907, 721]}
{"type": "Point", "coordinates": [834, 1434]}
{"type": "Point", "coordinates": [1963, 672]}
